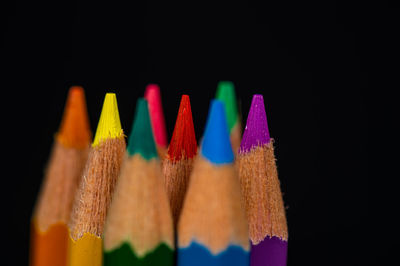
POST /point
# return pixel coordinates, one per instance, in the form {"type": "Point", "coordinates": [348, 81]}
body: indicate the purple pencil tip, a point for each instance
{"type": "Point", "coordinates": [256, 132]}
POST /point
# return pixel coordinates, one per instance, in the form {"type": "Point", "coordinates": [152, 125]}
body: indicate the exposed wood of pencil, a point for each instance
{"type": "Point", "coordinates": [236, 137]}
{"type": "Point", "coordinates": [262, 194]}
{"type": "Point", "coordinates": [176, 178]}
{"type": "Point", "coordinates": [49, 237]}
{"type": "Point", "coordinates": [162, 152]}
{"type": "Point", "coordinates": [61, 182]}
{"type": "Point", "coordinates": [212, 211]}
{"type": "Point", "coordinates": [96, 188]}
{"type": "Point", "coordinates": [139, 213]}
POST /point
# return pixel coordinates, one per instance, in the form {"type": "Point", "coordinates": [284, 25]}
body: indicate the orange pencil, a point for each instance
{"type": "Point", "coordinates": [49, 231]}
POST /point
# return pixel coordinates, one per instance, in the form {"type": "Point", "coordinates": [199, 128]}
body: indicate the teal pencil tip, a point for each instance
{"type": "Point", "coordinates": [141, 139]}
{"type": "Point", "coordinates": [216, 144]}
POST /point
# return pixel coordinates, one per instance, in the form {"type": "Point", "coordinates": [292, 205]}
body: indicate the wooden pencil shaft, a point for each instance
{"type": "Point", "coordinates": [95, 192]}
{"type": "Point", "coordinates": [262, 194]}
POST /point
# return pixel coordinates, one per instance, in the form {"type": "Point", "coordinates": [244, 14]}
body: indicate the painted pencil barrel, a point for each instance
{"type": "Point", "coordinates": [124, 256]}
{"type": "Point", "coordinates": [198, 255]}
{"type": "Point", "coordinates": [86, 251]}
{"type": "Point", "coordinates": [270, 251]}
{"type": "Point", "coordinates": [49, 248]}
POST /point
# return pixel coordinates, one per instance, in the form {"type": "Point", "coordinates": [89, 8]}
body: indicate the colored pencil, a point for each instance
{"type": "Point", "coordinates": [49, 233]}
{"type": "Point", "coordinates": [96, 188]}
{"type": "Point", "coordinates": [212, 229]}
{"type": "Point", "coordinates": [226, 93]}
{"type": "Point", "coordinates": [261, 190]}
{"type": "Point", "coordinates": [139, 228]}
{"type": "Point", "coordinates": [153, 96]}
{"type": "Point", "coordinates": [178, 163]}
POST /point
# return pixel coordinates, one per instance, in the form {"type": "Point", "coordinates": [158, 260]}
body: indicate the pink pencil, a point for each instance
{"type": "Point", "coordinates": [153, 97]}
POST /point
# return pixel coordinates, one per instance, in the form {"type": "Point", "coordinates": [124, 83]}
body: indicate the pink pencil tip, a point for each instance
{"type": "Point", "coordinates": [150, 87]}
{"type": "Point", "coordinates": [153, 96]}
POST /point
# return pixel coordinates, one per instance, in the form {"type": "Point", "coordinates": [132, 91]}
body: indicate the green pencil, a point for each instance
{"type": "Point", "coordinates": [226, 94]}
{"type": "Point", "coordinates": [139, 227]}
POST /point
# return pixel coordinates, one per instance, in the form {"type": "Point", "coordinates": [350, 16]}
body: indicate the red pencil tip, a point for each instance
{"type": "Point", "coordinates": [183, 142]}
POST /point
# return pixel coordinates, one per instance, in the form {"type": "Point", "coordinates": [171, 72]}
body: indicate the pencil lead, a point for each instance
{"type": "Point", "coordinates": [141, 139]}
{"type": "Point", "coordinates": [216, 145]}
{"type": "Point", "coordinates": [153, 96]}
{"type": "Point", "coordinates": [74, 130]}
{"type": "Point", "coordinates": [109, 125]}
{"type": "Point", "coordinates": [226, 94]}
{"type": "Point", "coordinates": [183, 139]}
{"type": "Point", "coordinates": [256, 132]}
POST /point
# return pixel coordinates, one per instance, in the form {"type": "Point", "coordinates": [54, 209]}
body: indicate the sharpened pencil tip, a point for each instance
{"type": "Point", "coordinates": [75, 129]}
{"type": "Point", "coordinates": [109, 125]}
{"type": "Point", "coordinates": [216, 145]}
{"type": "Point", "coordinates": [226, 94]}
{"type": "Point", "coordinates": [183, 141]}
{"type": "Point", "coordinates": [141, 139]}
{"type": "Point", "coordinates": [256, 132]}
{"type": "Point", "coordinates": [153, 96]}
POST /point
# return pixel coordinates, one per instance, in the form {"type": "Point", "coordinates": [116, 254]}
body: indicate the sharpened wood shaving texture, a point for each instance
{"type": "Point", "coordinates": [96, 188]}
{"type": "Point", "coordinates": [236, 137]}
{"type": "Point", "coordinates": [60, 184]}
{"type": "Point", "coordinates": [140, 213]}
{"type": "Point", "coordinates": [176, 179]}
{"type": "Point", "coordinates": [212, 213]}
{"type": "Point", "coordinates": [262, 194]}
{"type": "Point", "coordinates": [162, 152]}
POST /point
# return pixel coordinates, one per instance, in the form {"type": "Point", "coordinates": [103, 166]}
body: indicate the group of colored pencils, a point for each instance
{"type": "Point", "coordinates": [148, 202]}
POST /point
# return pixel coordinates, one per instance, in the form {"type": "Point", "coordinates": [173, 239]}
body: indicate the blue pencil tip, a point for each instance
{"type": "Point", "coordinates": [216, 144]}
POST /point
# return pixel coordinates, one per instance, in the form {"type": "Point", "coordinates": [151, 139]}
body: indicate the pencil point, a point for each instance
{"type": "Point", "coordinates": [141, 138]}
{"type": "Point", "coordinates": [74, 129]}
{"type": "Point", "coordinates": [256, 132]}
{"type": "Point", "coordinates": [109, 125]}
{"type": "Point", "coordinates": [226, 94]}
{"type": "Point", "coordinates": [153, 96]}
{"type": "Point", "coordinates": [183, 139]}
{"type": "Point", "coordinates": [216, 145]}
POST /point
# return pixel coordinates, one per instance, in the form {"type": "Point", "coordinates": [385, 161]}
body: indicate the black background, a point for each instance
{"type": "Point", "coordinates": [308, 59]}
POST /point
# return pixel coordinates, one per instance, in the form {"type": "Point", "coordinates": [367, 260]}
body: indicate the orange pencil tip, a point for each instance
{"type": "Point", "coordinates": [75, 131]}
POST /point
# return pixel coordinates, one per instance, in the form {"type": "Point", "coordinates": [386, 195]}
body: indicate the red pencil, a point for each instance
{"type": "Point", "coordinates": [178, 163]}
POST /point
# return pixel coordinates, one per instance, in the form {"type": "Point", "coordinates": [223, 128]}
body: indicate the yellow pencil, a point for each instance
{"type": "Point", "coordinates": [95, 191]}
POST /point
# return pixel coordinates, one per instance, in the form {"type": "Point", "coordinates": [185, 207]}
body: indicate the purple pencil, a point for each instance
{"type": "Point", "coordinates": [261, 190]}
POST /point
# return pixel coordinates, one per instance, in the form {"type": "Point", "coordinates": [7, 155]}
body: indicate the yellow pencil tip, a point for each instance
{"type": "Point", "coordinates": [109, 124]}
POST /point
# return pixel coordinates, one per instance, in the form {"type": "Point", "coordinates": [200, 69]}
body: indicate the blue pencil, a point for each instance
{"type": "Point", "coordinates": [212, 229]}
